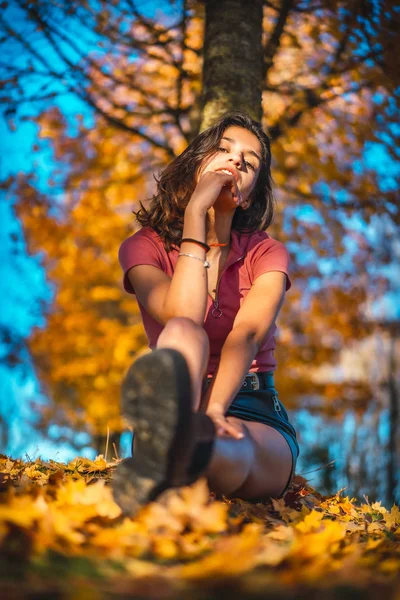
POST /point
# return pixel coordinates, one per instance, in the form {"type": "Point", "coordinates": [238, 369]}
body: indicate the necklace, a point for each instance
{"type": "Point", "coordinates": [213, 245]}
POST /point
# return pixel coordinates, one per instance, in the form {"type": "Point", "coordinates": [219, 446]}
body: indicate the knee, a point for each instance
{"type": "Point", "coordinates": [180, 328]}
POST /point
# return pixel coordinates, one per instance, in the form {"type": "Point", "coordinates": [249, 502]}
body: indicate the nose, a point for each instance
{"type": "Point", "coordinates": [237, 159]}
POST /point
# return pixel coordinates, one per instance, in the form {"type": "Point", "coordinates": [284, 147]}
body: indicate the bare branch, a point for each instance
{"type": "Point", "coordinates": [87, 97]}
{"type": "Point", "coordinates": [274, 41]}
{"type": "Point", "coordinates": [271, 5]}
{"type": "Point", "coordinates": [27, 46]}
{"type": "Point", "coordinates": [313, 99]}
{"type": "Point", "coordinates": [182, 72]}
{"type": "Point", "coordinates": [355, 205]}
{"type": "Point", "coordinates": [309, 7]}
{"type": "Point", "coordinates": [149, 24]}
{"type": "Point", "coordinates": [313, 96]}
{"type": "Point", "coordinates": [124, 127]}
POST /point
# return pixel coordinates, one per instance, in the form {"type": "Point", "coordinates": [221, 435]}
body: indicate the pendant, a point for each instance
{"type": "Point", "coordinates": [216, 311]}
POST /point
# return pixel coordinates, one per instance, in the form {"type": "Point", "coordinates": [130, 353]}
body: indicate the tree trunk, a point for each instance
{"type": "Point", "coordinates": [233, 59]}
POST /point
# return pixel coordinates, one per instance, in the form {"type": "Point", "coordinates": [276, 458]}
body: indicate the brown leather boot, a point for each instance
{"type": "Point", "coordinates": [173, 445]}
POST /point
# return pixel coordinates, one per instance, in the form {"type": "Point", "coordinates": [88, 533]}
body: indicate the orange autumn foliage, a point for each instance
{"type": "Point", "coordinates": [319, 119]}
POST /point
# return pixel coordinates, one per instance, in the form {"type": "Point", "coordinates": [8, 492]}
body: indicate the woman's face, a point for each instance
{"type": "Point", "coordinates": [240, 153]}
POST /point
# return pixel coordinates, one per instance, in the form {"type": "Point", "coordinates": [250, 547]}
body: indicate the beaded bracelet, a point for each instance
{"type": "Point", "coordinates": [205, 262]}
{"type": "Point", "coordinates": [202, 244]}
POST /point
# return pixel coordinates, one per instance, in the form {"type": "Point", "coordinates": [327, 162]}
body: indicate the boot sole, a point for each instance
{"type": "Point", "coordinates": [156, 401]}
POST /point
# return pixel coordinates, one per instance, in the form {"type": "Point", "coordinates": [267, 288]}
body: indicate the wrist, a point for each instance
{"type": "Point", "coordinates": [193, 209]}
{"type": "Point", "coordinates": [216, 408]}
{"type": "Point", "coordinates": [196, 242]}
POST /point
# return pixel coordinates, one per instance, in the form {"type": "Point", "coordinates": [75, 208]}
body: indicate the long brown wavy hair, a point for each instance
{"type": "Point", "coordinates": [176, 184]}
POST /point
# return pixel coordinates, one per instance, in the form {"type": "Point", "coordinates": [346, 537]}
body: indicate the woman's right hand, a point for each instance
{"type": "Point", "coordinates": [224, 426]}
{"type": "Point", "coordinates": [209, 188]}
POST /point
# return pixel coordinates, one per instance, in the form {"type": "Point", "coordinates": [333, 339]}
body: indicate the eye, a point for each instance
{"type": "Point", "coordinates": [249, 165]}
{"type": "Point", "coordinates": [223, 149]}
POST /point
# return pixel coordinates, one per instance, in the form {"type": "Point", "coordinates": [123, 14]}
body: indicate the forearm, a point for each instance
{"type": "Point", "coordinates": [237, 355]}
{"type": "Point", "coordinates": [187, 293]}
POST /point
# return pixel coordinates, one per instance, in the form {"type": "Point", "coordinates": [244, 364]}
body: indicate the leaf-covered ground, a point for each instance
{"type": "Point", "coordinates": [63, 536]}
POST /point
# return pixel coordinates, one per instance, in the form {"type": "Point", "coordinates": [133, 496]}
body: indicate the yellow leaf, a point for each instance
{"type": "Point", "coordinates": [127, 538]}
{"type": "Point", "coordinates": [191, 506]}
{"type": "Point", "coordinates": [164, 547]}
{"type": "Point", "coordinates": [33, 473]}
{"type": "Point", "coordinates": [393, 518]}
{"type": "Point", "coordinates": [311, 522]}
{"type": "Point", "coordinates": [372, 544]}
{"type": "Point", "coordinates": [193, 543]}
{"type": "Point", "coordinates": [321, 543]}
{"type": "Point", "coordinates": [21, 511]}
{"type": "Point", "coordinates": [233, 555]}
{"type": "Point", "coordinates": [334, 510]}
{"type": "Point", "coordinates": [377, 506]}
{"type": "Point", "coordinates": [99, 464]}
{"type": "Point", "coordinates": [97, 497]}
{"type": "Point", "coordinates": [276, 546]}
{"type": "Point", "coordinates": [390, 565]}
{"type": "Point", "coordinates": [9, 465]}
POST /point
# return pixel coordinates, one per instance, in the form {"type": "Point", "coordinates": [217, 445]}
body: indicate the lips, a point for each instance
{"type": "Point", "coordinates": [231, 170]}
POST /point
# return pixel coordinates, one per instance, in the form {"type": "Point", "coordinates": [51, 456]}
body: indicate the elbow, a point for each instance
{"type": "Point", "coordinates": [249, 336]}
{"type": "Point", "coordinates": [179, 307]}
{"type": "Point", "coordinates": [254, 340]}
{"type": "Point", "coordinates": [175, 313]}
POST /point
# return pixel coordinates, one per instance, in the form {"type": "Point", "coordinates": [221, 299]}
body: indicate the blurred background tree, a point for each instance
{"type": "Point", "coordinates": [322, 75]}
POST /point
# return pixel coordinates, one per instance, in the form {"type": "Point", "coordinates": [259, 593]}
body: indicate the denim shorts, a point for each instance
{"type": "Point", "coordinates": [264, 406]}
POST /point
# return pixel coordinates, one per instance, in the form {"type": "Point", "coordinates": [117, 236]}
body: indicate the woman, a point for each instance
{"type": "Point", "coordinates": [209, 283]}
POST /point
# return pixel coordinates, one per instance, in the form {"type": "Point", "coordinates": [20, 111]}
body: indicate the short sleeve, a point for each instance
{"type": "Point", "coordinates": [139, 249]}
{"type": "Point", "coordinates": [271, 255]}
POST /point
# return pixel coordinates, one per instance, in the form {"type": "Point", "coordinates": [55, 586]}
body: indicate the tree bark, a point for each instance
{"type": "Point", "coordinates": [233, 59]}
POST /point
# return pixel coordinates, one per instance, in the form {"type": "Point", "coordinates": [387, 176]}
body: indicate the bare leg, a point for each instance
{"type": "Point", "coordinates": [257, 465]}
{"type": "Point", "coordinates": [192, 341]}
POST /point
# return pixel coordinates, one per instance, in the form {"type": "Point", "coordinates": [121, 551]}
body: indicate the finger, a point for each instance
{"type": "Point", "coordinates": [240, 199]}
{"type": "Point", "coordinates": [219, 424]}
{"type": "Point", "coordinates": [231, 181]}
{"type": "Point", "coordinates": [223, 432]}
{"type": "Point", "coordinates": [236, 194]}
{"type": "Point", "coordinates": [223, 427]}
{"type": "Point", "coordinates": [233, 430]}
